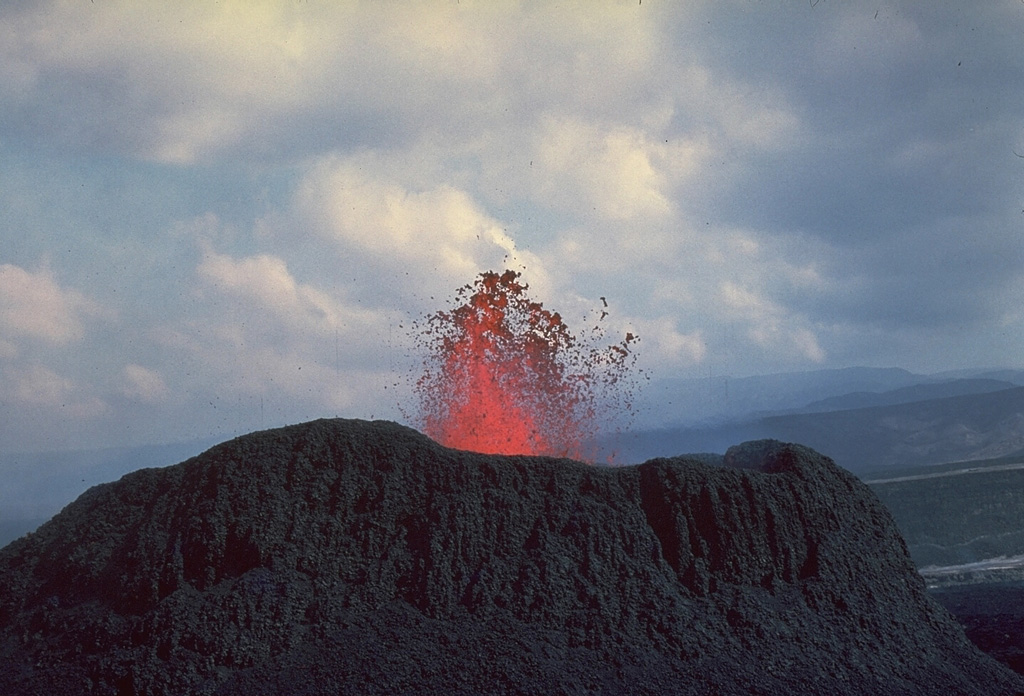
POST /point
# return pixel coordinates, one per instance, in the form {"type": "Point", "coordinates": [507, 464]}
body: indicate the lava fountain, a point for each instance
{"type": "Point", "coordinates": [506, 376]}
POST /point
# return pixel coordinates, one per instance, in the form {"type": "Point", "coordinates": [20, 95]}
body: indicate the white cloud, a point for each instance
{"type": "Point", "coordinates": [760, 126]}
{"type": "Point", "coordinates": [770, 325]}
{"type": "Point", "coordinates": [662, 343]}
{"type": "Point", "coordinates": [180, 81]}
{"type": "Point", "coordinates": [41, 385]}
{"type": "Point", "coordinates": [233, 365]}
{"type": "Point", "coordinates": [609, 173]}
{"type": "Point", "coordinates": [35, 306]}
{"type": "Point", "coordinates": [37, 386]}
{"type": "Point", "coordinates": [259, 331]}
{"type": "Point", "coordinates": [143, 384]}
{"type": "Point", "coordinates": [385, 220]}
{"type": "Point", "coordinates": [740, 115]}
{"type": "Point", "coordinates": [264, 279]}
{"type": "Point", "coordinates": [268, 299]}
{"type": "Point", "coordinates": [184, 83]}
{"type": "Point", "coordinates": [434, 239]}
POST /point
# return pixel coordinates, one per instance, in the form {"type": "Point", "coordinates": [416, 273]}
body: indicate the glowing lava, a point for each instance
{"type": "Point", "coordinates": [506, 376]}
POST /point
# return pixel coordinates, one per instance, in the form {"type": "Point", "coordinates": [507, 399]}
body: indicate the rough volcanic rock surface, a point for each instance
{"type": "Point", "coordinates": [346, 557]}
{"type": "Point", "coordinates": [992, 615]}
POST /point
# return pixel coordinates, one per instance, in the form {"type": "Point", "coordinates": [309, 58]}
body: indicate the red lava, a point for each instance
{"type": "Point", "coordinates": [503, 375]}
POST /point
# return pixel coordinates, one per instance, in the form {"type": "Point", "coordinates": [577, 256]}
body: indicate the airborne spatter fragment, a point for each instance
{"type": "Point", "coordinates": [503, 375]}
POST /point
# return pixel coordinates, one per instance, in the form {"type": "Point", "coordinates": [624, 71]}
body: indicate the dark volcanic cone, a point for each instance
{"type": "Point", "coordinates": [344, 557]}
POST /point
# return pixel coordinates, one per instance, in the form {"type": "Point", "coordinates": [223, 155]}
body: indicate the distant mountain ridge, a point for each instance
{"type": "Point", "coordinates": [955, 428]}
{"type": "Point", "coordinates": [352, 557]}
{"type": "Point", "coordinates": [707, 401]}
{"type": "Point", "coordinates": [933, 431]}
{"type": "Point", "coordinates": [687, 402]}
{"type": "Point", "coordinates": [907, 395]}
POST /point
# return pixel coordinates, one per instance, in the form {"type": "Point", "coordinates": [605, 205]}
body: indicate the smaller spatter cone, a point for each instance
{"type": "Point", "coordinates": [503, 375]}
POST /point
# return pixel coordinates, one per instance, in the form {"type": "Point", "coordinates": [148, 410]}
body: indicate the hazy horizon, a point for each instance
{"type": "Point", "coordinates": [642, 417]}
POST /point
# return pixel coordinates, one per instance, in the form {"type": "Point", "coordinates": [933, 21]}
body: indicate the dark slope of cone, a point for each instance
{"type": "Point", "coordinates": [345, 557]}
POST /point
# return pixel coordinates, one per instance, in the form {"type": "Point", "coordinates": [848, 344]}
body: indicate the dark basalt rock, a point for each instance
{"type": "Point", "coordinates": [346, 557]}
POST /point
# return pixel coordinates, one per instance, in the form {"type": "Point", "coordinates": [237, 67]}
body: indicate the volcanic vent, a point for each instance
{"type": "Point", "coordinates": [504, 375]}
{"type": "Point", "coordinates": [346, 557]}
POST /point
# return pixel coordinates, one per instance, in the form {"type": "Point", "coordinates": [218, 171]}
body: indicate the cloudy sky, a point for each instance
{"type": "Point", "coordinates": [218, 216]}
